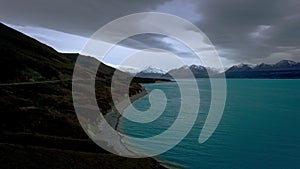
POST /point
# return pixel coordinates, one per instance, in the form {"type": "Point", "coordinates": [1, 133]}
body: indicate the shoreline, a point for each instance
{"type": "Point", "coordinates": [113, 117]}
{"type": "Point", "coordinates": [133, 99]}
{"type": "Point", "coordinates": [161, 161]}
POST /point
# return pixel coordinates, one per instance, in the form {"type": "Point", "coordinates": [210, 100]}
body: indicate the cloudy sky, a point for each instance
{"type": "Point", "coordinates": [243, 31]}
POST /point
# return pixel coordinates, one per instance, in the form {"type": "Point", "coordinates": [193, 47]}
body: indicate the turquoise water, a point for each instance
{"type": "Point", "coordinates": [259, 128]}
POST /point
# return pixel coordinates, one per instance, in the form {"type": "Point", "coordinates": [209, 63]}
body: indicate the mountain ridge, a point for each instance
{"type": "Point", "coordinates": [281, 69]}
{"type": "Point", "coordinates": [38, 120]}
{"type": "Point", "coordinates": [150, 72]}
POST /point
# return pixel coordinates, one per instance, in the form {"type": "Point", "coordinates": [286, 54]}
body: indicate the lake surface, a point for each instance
{"type": "Point", "coordinates": [259, 128]}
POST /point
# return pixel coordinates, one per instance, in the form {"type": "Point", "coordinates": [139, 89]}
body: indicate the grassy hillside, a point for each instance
{"type": "Point", "coordinates": [39, 127]}
{"type": "Point", "coordinates": [31, 157]}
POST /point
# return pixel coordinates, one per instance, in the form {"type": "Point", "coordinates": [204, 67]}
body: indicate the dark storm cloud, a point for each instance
{"type": "Point", "coordinates": [251, 28]}
{"type": "Point", "coordinates": [77, 17]}
{"type": "Point", "coordinates": [145, 41]}
{"type": "Point", "coordinates": [242, 30]}
{"type": "Point", "coordinates": [286, 33]}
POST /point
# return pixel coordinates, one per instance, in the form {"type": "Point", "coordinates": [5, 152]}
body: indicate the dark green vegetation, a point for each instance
{"type": "Point", "coordinates": [31, 157]}
{"type": "Point", "coordinates": [39, 127]}
{"type": "Point", "coordinates": [150, 80]}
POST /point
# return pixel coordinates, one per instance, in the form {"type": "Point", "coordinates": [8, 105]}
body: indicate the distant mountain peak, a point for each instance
{"type": "Point", "coordinates": [262, 64]}
{"type": "Point", "coordinates": [151, 69]}
{"type": "Point", "coordinates": [286, 62]}
{"type": "Point", "coordinates": [282, 69]}
{"type": "Point", "coordinates": [200, 67]}
{"type": "Point", "coordinates": [240, 67]}
{"type": "Point", "coordinates": [184, 67]}
{"type": "Point", "coordinates": [243, 65]}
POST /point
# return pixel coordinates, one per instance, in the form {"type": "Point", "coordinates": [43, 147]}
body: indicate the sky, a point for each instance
{"type": "Point", "coordinates": [242, 31]}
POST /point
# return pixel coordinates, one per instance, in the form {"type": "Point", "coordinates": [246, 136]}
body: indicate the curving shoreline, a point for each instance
{"type": "Point", "coordinates": [133, 98]}
{"type": "Point", "coordinates": [113, 116]}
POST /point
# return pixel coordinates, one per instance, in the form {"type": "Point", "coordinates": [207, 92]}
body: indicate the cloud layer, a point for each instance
{"type": "Point", "coordinates": [242, 30]}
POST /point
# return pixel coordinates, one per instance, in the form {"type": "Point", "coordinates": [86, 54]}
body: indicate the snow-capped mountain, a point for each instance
{"type": "Point", "coordinates": [263, 66]}
{"type": "Point", "coordinates": [197, 70]}
{"type": "Point", "coordinates": [151, 72]}
{"type": "Point", "coordinates": [240, 67]}
{"type": "Point", "coordinates": [282, 69]}
{"type": "Point", "coordinates": [287, 64]}
{"type": "Point", "coordinates": [150, 69]}
{"type": "Point", "coordinates": [197, 67]}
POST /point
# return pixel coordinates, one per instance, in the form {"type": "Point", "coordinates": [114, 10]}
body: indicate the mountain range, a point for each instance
{"type": "Point", "coordinates": [150, 72]}
{"type": "Point", "coordinates": [197, 70]}
{"type": "Point", "coordinates": [283, 69]}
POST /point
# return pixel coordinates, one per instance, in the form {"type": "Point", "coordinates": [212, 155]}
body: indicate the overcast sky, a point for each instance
{"type": "Point", "coordinates": [243, 31]}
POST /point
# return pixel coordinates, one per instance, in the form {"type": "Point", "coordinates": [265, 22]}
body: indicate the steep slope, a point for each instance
{"type": "Point", "coordinates": [36, 86]}
{"type": "Point", "coordinates": [36, 107]}
{"type": "Point", "coordinates": [25, 59]}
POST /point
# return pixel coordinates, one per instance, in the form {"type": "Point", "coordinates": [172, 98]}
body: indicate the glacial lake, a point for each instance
{"type": "Point", "coordinates": [260, 126]}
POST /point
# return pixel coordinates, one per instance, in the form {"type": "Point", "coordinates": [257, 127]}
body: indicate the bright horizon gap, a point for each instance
{"type": "Point", "coordinates": [71, 43]}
